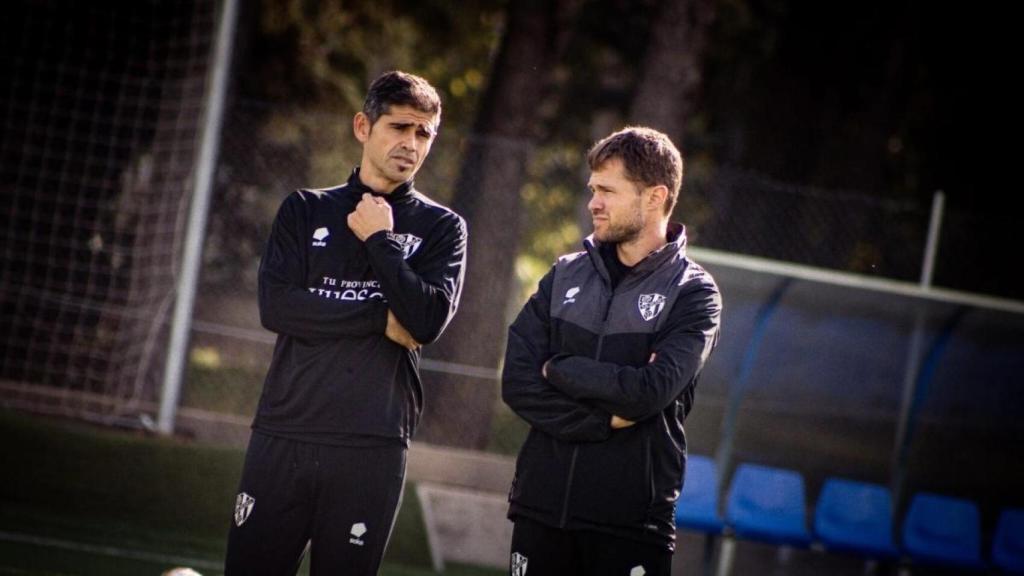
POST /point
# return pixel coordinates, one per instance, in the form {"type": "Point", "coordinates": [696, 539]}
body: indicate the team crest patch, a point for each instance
{"type": "Point", "coordinates": [518, 564]}
{"type": "Point", "coordinates": [243, 508]}
{"type": "Point", "coordinates": [651, 305]}
{"type": "Point", "coordinates": [408, 242]}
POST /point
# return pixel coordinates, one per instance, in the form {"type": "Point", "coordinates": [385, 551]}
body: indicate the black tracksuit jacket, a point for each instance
{"type": "Point", "coordinates": [335, 378]}
{"type": "Point", "coordinates": [574, 471]}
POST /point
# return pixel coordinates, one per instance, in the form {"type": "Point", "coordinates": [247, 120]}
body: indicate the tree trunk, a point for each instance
{"type": "Point", "coordinates": [458, 408]}
{"type": "Point", "coordinates": [673, 67]}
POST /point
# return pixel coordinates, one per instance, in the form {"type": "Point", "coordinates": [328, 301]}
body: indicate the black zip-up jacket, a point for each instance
{"type": "Point", "coordinates": [574, 471]}
{"type": "Point", "coordinates": [335, 377]}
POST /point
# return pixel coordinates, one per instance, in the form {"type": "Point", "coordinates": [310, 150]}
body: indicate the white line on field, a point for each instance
{"type": "Point", "coordinates": [109, 551]}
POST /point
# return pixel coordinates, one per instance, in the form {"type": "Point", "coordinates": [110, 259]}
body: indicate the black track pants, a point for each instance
{"type": "Point", "coordinates": [341, 500]}
{"type": "Point", "coordinates": [539, 550]}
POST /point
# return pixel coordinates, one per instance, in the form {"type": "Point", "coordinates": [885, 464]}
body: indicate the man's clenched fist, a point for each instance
{"type": "Point", "coordinates": [371, 215]}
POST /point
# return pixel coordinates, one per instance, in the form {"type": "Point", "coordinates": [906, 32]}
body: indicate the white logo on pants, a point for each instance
{"type": "Point", "coordinates": [243, 508]}
{"type": "Point", "coordinates": [358, 529]}
{"type": "Point", "coordinates": [518, 564]}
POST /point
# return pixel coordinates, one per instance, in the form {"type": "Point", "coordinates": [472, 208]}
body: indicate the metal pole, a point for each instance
{"type": "Point", "coordinates": [912, 363]}
{"type": "Point", "coordinates": [738, 389]}
{"type": "Point", "coordinates": [911, 370]}
{"type": "Point", "coordinates": [932, 247]}
{"type": "Point", "coordinates": [205, 166]}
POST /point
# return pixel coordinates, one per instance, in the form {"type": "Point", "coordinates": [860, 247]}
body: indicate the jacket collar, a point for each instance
{"type": "Point", "coordinates": [403, 192]}
{"type": "Point", "coordinates": [673, 249]}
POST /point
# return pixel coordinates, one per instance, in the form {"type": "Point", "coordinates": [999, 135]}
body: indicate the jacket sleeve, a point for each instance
{"type": "Point", "coordinates": [681, 348]}
{"type": "Point", "coordinates": [529, 394]}
{"type": "Point", "coordinates": [423, 300]}
{"type": "Point", "coordinates": [286, 304]}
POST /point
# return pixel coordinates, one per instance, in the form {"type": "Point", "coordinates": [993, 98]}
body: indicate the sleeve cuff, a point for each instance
{"type": "Point", "coordinates": [379, 240]}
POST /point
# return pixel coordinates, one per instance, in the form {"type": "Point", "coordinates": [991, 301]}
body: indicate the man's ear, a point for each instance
{"type": "Point", "coordinates": [361, 127]}
{"type": "Point", "coordinates": [658, 197]}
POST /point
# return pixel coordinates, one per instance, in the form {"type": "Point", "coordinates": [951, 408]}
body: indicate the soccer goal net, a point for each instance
{"type": "Point", "coordinates": [101, 105]}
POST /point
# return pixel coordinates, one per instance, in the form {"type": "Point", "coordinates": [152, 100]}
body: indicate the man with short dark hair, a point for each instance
{"type": "Point", "coordinates": [354, 280]}
{"type": "Point", "coordinates": [602, 363]}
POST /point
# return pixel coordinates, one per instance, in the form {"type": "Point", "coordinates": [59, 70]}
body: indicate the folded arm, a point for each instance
{"type": "Point", "coordinates": [635, 393]}
{"type": "Point", "coordinates": [424, 300]}
{"type": "Point", "coordinates": [529, 394]}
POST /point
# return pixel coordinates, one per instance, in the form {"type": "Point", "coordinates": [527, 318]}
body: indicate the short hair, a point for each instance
{"type": "Point", "coordinates": [397, 88]}
{"type": "Point", "coordinates": [648, 156]}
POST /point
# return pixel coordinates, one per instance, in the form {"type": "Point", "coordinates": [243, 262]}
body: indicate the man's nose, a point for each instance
{"type": "Point", "coordinates": [594, 205]}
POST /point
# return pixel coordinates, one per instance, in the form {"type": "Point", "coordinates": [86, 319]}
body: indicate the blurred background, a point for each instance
{"type": "Point", "coordinates": [847, 183]}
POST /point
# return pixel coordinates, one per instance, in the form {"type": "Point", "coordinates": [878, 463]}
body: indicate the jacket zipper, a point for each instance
{"type": "Point", "coordinates": [568, 483]}
{"type": "Point", "coordinates": [575, 449]}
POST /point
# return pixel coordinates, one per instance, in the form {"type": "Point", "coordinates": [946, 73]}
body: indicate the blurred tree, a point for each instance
{"type": "Point", "coordinates": [488, 195]}
{"type": "Point", "coordinates": [668, 94]}
{"type": "Point", "coordinates": [673, 67]}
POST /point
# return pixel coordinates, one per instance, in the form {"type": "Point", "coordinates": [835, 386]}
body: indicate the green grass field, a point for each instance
{"type": "Point", "coordinates": [75, 499]}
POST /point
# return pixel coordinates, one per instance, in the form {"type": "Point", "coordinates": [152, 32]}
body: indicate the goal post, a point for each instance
{"type": "Point", "coordinates": [188, 278]}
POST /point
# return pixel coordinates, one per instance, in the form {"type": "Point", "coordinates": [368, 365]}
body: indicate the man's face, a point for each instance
{"type": "Point", "coordinates": [395, 146]}
{"type": "Point", "coordinates": [615, 204]}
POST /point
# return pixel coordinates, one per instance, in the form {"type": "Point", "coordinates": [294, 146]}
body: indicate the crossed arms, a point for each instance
{"type": "Point", "coordinates": [576, 398]}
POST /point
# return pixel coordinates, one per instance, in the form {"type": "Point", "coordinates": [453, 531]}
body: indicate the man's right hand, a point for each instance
{"type": "Point", "coordinates": [620, 422]}
{"type": "Point", "coordinates": [398, 334]}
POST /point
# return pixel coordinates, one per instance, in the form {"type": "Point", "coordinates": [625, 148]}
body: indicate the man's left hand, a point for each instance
{"type": "Point", "coordinates": [398, 334]}
{"type": "Point", "coordinates": [371, 215]}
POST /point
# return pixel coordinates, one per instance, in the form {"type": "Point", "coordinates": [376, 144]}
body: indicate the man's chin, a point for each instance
{"type": "Point", "coordinates": [401, 174]}
{"type": "Point", "coordinates": [613, 236]}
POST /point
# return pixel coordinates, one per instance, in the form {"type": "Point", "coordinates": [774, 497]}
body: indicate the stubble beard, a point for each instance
{"type": "Point", "coordinates": [623, 231]}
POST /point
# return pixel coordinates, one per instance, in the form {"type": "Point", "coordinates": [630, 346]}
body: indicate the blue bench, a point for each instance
{"type": "Point", "coordinates": [942, 530]}
{"type": "Point", "coordinates": [1008, 543]}
{"type": "Point", "coordinates": [697, 507]}
{"type": "Point", "coordinates": [855, 517]}
{"type": "Point", "coordinates": [768, 504]}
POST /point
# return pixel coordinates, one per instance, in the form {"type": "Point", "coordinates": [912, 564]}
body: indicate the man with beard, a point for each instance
{"type": "Point", "coordinates": [354, 279]}
{"type": "Point", "coordinates": [602, 363]}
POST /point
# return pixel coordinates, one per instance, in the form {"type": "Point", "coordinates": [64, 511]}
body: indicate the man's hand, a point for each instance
{"type": "Point", "coordinates": [371, 215]}
{"type": "Point", "coordinates": [620, 422]}
{"type": "Point", "coordinates": [398, 334]}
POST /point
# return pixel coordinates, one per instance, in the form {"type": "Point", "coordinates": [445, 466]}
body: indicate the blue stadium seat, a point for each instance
{"type": "Point", "coordinates": [943, 530]}
{"type": "Point", "coordinates": [768, 504]}
{"type": "Point", "coordinates": [1008, 544]}
{"type": "Point", "coordinates": [697, 508]}
{"type": "Point", "coordinates": [855, 517]}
